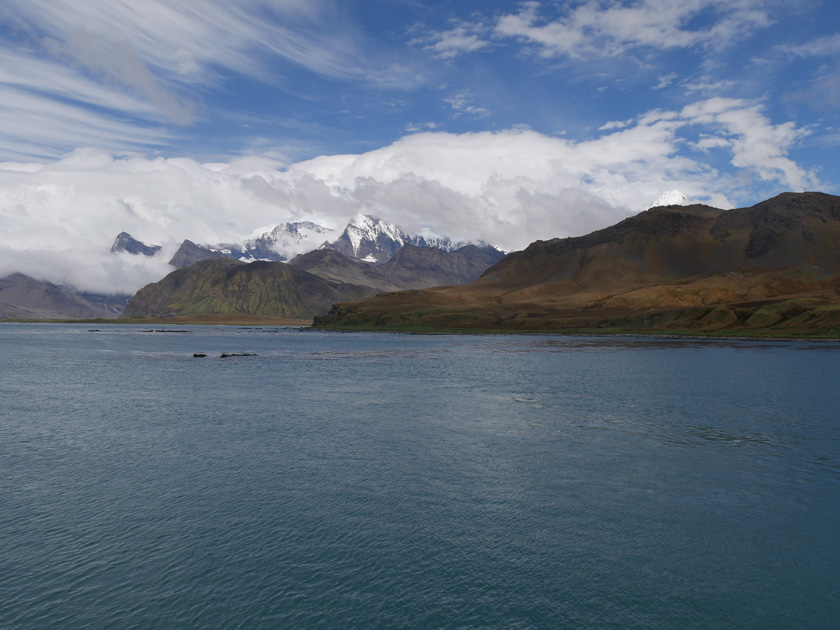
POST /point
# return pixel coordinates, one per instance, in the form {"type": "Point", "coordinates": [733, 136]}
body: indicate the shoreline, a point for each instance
{"type": "Point", "coordinates": [306, 325]}
{"type": "Point", "coordinates": [736, 335]}
{"type": "Point", "coordinates": [192, 320]}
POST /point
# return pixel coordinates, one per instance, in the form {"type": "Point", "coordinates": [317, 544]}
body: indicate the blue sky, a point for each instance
{"type": "Point", "coordinates": [498, 120]}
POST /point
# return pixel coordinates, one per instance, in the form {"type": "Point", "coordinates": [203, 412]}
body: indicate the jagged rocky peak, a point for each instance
{"type": "Point", "coordinates": [286, 238]}
{"type": "Point", "coordinates": [366, 227]}
{"type": "Point", "coordinates": [125, 242]}
{"type": "Point", "coordinates": [433, 240]}
{"type": "Point", "coordinates": [278, 241]}
{"type": "Point", "coordinates": [370, 239]}
{"type": "Point", "coordinates": [189, 253]}
{"type": "Point", "coordinates": [374, 240]}
{"type": "Point", "coordinates": [366, 238]}
{"type": "Point", "coordinates": [670, 198]}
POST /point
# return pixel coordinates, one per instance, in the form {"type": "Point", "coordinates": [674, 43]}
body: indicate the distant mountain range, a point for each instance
{"type": "Point", "coordinates": [281, 241]}
{"type": "Point", "coordinates": [374, 240]}
{"type": "Point", "coordinates": [23, 297]}
{"type": "Point", "coordinates": [370, 256]}
{"type": "Point", "coordinates": [772, 266]}
{"type": "Point", "coordinates": [365, 238]}
{"type": "Point", "coordinates": [306, 286]}
{"type": "Point", "coordinates": [378, 257]}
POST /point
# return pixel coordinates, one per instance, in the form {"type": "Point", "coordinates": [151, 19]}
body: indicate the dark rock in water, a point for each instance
{"type": "Point", "coordinates": [199, 355]}
{"type": "Point", "coordinates": [225, 355]}
{"type": "Point", "coordinates": [159, 330]}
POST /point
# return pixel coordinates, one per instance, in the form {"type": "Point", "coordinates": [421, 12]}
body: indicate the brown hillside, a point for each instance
{"type": "Point", "coordinates": [223, 286]}
{"type": "Point", "coordinates": [693, 267]}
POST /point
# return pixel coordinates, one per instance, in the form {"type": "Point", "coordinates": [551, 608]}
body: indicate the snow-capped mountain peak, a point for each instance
{"type": "Point", "coordinates": [670, 198]}
{"type": "Point", "coordinates": [371, 239]}
{"type": "Point", "coordinates": [262, 231]}
{"type": "Point", "coordinates": [365, 228]}
{"type": "Point", "coordinates": [290, 233]}
{"type": "Point", "coordinates": [277, 241]}
{"type": "Point", "coordinates": [366, 238]}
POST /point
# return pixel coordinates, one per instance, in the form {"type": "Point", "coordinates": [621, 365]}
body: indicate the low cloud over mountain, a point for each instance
{"type": "Point", "coordinates": [507, 188]}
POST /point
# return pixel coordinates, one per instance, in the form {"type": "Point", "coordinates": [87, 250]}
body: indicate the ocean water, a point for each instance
{"type": "Point", "coordinates": [410, 481]}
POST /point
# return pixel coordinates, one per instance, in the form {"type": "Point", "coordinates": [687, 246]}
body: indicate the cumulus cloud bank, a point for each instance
{"type": "Point", "coordinates": [508, 188]}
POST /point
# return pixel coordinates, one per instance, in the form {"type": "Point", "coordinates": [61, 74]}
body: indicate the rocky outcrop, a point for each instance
{"type": "Point", "coordinates": [189, 253]}
{"type": "Point", "coordinates": [125, 242]}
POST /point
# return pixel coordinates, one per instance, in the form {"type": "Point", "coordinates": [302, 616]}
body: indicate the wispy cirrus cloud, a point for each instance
{"type": "Point", "coordinates": [188, 40]}
{"type": "Point", "coordinates": [828, 46]}
{"type": "Point", "coordinates": [47, 109]}
{"type": "Point", "coordinates": [462, 105]}
{"type": "Point", "coordinates": [135, 74]}
{"type": "Point", "coordinates": [665, 80]}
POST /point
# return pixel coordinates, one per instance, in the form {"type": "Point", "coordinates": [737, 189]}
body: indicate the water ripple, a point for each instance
{"type": "Point", "coordinates": [384, 481]}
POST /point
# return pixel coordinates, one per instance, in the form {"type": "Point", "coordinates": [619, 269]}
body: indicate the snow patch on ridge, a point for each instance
{"type": "Point", "coordinates": [670, 198]}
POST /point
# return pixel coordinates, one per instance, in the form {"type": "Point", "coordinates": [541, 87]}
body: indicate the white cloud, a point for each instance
{"type": "Point", "coordinates": [86, 271]}
{"type": "Point", "coordinates": [828, 46]}
{"type": "Point", "coordinates": [665, 81]}
{"type": "Point", "coordinates": [462, 38]}
{"type": "Point", "coordinates": [211, 33]}
{"type": "Point", "coordinates": [707, 86]}
{"type": "Point", "coordinates": [32, 127]}
{"type": "Point", "coordinates": [461, 104]}
{"type": "Point", "coordinates": [418, 127]}
{"type": "Point", "coordinates": [756, 144]}
{"type": "Point", "coordinates": [119, 64]}
{"type": "Point", "coordinates": [614, 124]}
{"type": "Point", "coordinates": [594, 28]}
{"type": "Point", "coordinates": [80, 111]}
{"type": "Point", "coordinates": [508, 188]}
{"type": "Point", "coordinates": [112, 73]}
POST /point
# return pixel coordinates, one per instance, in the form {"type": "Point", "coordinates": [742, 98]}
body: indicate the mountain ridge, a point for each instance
{"type": "Point", "coordinates": [695, 258]}
{"type": "Point", "coordinates": [223, 286]}
{"type": "Point", "coordinates": [125, 242]}
{"type": "Point", "coordinates": [365, 238]}
{"type": "Point", "coordinates": [24, 297]}
{"type": "Point", "coordinates": [302, 288]}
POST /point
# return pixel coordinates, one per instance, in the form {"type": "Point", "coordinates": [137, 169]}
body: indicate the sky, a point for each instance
{"type": "Point", "coordinates": [501, 121]}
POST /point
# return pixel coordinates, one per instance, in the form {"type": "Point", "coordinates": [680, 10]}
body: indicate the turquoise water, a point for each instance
{"type": "Point", "coordinates": [405, 481]}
